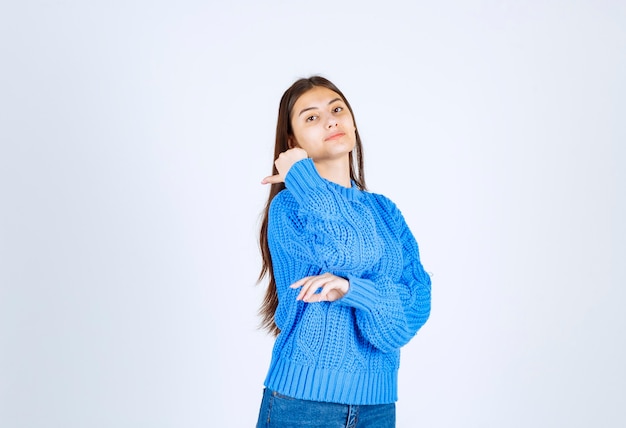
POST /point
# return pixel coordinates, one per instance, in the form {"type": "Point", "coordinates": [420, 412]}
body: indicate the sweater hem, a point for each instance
{"type": "Point", "coordinates": [333, 386]}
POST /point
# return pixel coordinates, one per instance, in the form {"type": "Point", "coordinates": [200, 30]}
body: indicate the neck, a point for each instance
{"type": "Point", "coordinates": [337, 171]}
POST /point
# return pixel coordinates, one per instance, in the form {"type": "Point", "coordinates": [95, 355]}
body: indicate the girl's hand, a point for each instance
{"type": "Point", "coordinates": [283, 164]}
{"type": "Point", "coordinates": [333, 288]}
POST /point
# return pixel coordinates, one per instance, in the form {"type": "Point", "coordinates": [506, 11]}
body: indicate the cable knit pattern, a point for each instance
{"type": "Point", "coordinates": [347, 351]}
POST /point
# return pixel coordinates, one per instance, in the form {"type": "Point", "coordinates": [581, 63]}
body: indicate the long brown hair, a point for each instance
{"type": "Point", "coordinates": [283, 132]}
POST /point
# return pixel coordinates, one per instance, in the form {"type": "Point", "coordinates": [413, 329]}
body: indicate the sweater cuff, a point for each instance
{"type": "Point", "coordinates": [302, 178]}
{"type": "Point", "coordinates": [361, 295]}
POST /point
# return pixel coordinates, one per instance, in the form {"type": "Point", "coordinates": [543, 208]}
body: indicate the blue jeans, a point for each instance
{"type": "Point", "coordinates": [279, 411]}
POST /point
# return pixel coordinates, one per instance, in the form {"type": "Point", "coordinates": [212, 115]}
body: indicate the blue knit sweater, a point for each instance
{"type": "Point", "coordinates": [347, 351]}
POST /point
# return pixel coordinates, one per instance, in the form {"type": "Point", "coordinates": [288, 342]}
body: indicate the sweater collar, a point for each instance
{"type": "Point", "coordinates": [351, 193]}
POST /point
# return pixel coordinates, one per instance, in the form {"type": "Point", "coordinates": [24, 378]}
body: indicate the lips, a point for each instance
{"type": "Point", "coordinates": [335, 135]}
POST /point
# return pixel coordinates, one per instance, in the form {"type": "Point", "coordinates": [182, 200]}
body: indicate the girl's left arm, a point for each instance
{"type": "Point", "coordinates": [389, 313]}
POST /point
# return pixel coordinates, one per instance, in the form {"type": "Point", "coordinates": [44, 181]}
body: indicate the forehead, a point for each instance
{"type": "Point", "coordinates": [318, 96]}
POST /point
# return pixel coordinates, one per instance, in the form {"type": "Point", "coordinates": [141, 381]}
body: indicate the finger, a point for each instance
{"type": "Point", "coordinates": [329, 296]}
{"type": "Point", "coordinates": [300, 282]}
{"type": "Point", "coordinates": [304, 283]}
{"type": "Point", "coordinates": [315, 283]}
{"type": "Point", "coordinates": [335, 289]}
{"type": "Point", "coordinates": [310, 284]}
{"type": "Point", "coordinates": [272, 179]}
{"type": "Point", "coordinates": [308, 292]}
{"type": "Point", "coordinates": [324, 292]}
{"type": "Point", "coordinates": [308, 289]}
{"type": "Point", "coordinates": [328, 290]}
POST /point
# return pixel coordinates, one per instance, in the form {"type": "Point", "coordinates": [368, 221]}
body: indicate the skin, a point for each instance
{"type": "Point", "coordinates": [323, 129]}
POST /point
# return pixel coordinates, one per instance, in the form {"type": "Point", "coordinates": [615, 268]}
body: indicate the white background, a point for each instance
{"type": "Point", "coordinates": [134, 135]}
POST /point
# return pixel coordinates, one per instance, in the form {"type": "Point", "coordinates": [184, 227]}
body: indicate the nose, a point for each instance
{"type": "Point", "coordinates": [331, 122]}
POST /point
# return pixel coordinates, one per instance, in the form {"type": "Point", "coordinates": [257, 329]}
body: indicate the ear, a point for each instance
{"type": "Point", "coordinates": [292, 142]}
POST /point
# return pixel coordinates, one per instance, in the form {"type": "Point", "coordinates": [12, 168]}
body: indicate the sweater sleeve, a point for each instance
{"type": "Point", "coordinates": [313, 228]}
{"type": "Point", "coordinates": [389, 313]}
{"type": "Point", "coordinates": [331, 227]}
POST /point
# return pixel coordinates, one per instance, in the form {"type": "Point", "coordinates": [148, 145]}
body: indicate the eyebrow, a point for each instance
{"type": "Point", "coordinates": [313, 108]}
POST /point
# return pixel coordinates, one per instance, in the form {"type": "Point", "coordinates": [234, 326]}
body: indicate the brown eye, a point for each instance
{"type": "Point", "coordinates": [337, 109]}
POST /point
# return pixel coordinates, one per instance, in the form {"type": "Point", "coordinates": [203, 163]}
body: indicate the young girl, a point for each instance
{"type": "Point", "coordinates": [346, 285]}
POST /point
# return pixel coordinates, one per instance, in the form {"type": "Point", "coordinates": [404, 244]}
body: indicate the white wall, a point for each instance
{"type": "Point", "coordinates": [133, 139]}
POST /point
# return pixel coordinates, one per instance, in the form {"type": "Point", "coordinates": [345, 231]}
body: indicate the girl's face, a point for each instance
{"type": "Point", "coordinates": [322, 125]}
